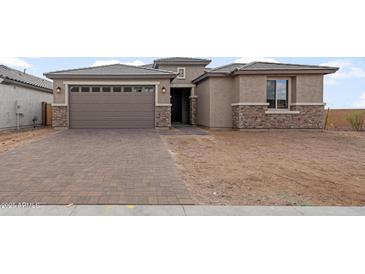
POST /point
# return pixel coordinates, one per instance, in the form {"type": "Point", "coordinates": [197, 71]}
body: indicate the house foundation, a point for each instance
{"type": "Point", "coordinates": [193, 110]}
{"type": "Point", "coordinates": [59, 116]}
{"type": "Point", "coordinates": [163, 116]}
{"type": "Point", "coordinates": [259, 117]}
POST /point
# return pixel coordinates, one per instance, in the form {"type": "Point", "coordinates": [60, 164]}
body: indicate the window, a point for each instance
{"type": "Point", "coordinates": [149, 89]}
{"type": "Point", "coordinates": [137, 89]}
{"type": "Point", "coordinates": [180, 73]}
{"type": "Point", "coordinates": [277, 94]}
{"type": "Point", "coordinates": [117, 89]}
{"type": "Point", "coordinates": [74, 89]}
{"type": "Point", "coordinates": [106, 89]}
{"type": "Point", "coordinates": [85, 89]}
{"type": "Point", "coordinates": [95, 89]}
{"type": "Point", "coordinates": [127, 89]}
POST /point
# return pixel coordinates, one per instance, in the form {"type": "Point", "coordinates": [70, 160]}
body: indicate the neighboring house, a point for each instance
{"type": "Point", "coordinates": [21, 97]}
{"type": "Point", "coordinates": [182, 90]}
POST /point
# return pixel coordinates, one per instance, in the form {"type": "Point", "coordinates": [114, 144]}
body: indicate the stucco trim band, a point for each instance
{"type": "Point", "coordinates": [308, 104]}
{"type": "Point", "coordinates": [183, 86]}
{"type": "Point", "coordinates": [249, 104]}
{"type": "Point", "coordinates": [163, 105]}
{"type": "Point", "coordinates": [87, 82]}
{"type": "Point", "coordinates": [282, 112]}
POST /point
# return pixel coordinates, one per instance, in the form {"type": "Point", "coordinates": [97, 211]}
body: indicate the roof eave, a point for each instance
{"type": "Point", "coordinates": [286, 71]}
{"type": "Point", "coordinates": [108, 76]}
{"type": "Point", "coordinates": [205, 63]}
{"type": "Point", "coordinates": [207, 75]}
{"type": "Point", "coordinates": [23, 84]}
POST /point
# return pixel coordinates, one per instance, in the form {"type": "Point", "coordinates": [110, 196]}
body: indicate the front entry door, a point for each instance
{"type": "Point", "coordinates": [176, 111]}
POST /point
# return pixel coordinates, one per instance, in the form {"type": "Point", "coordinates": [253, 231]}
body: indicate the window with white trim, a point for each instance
{"type": "Point", "coordinates": [117, 89]}
{"type": "Point", "coordinates": [74, 89]}
{"type": "Point", "coordinates": [180, 73]}
{"type": "Point", "coordinates": [137, 89]}
{"type": "Point", "coordinates": [278, 94]}
{"type": "Point", "coordinates": [149, 89]}
{"type": "Point", "coordinates": [85, 89]}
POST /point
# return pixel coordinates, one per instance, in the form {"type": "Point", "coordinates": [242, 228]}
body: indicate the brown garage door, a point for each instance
{"type": "Point", "coordinates": [112, 107]}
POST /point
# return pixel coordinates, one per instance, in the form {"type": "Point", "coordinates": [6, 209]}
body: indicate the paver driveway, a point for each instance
{"type": "Point", "coordinates": [92, 167]}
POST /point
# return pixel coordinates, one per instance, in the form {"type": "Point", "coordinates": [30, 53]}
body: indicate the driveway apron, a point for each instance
{"type": "Point", "coordinates": [92, 167]}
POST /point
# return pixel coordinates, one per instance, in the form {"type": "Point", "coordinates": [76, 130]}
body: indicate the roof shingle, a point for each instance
{"type": "Point", "coordinates": [114, 70]}
{"type": "Point", "coordinates": [278, 66]}
{"type": "Point", "coordinates": [182, 59]}
{"type": "Point", "coordinates": [264, 67]}
{"type": "Point", "coordinates": [24, 78]}
{"type": "Point", "coordinates": [227, 68]}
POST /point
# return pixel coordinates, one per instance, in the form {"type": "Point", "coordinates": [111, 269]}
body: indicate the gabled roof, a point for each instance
{"type": "Point", "coordinates": [280, 66]}
{"type": "Point", "coordinates": [227, 68]}
{"type": "Point", "coordinates": [265, 68]}
{"type": "Point", "coordinates": [115, 70]}
{"type": "Point", "coordinates": [16, 76]}
{"type": "Point", "coordinates": [147, 66]}
{"type": "Point", "coordinates": [181, 61]}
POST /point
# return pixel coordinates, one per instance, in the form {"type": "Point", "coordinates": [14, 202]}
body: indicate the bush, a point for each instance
{"type": "Point", "coordinates": [356, 120]}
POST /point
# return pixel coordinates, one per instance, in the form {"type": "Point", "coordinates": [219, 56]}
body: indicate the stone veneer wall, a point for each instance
{"type": "Point", "coordinates": [163, 116]}
{"type": "Point", "coordinates": [193, 110]}
{"type": "Point", "coordinates": [59, 116]}
{"type": "Point", "coordinates": [254, 117]}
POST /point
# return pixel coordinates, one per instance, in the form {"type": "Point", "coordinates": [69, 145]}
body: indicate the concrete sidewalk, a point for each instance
{"type": "Point", "coordinates": [179, 210]}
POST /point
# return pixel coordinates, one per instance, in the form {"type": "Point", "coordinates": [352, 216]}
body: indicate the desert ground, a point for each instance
{"type": "Point", "coordinates": [10, 139]}
{"type": "Point", "coordinates": [272, 167]}
{"type": "Point", "coordinates": [259, 167]}
{"type": "Point", "coordinates": [337, 118]}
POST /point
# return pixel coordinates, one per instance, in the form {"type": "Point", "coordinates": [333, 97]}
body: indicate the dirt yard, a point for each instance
{"type": "Point", "coordinates": [273, 168]}
{"type": "Point", "coordinates": [10, 139]}
{"type": "Point", "coordinates": [337, 118]}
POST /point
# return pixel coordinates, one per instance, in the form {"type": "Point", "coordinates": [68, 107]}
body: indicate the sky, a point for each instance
{"type": "Point", "coordinates": [344, 89]}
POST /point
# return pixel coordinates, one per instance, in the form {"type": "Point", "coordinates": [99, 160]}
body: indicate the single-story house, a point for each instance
{"type": "Point", "coordinates": [21, 97]}
{"type": "Point", "coordinates": [183, 90]}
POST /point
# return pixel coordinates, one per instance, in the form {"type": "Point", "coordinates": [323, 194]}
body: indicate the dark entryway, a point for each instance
{"type": "Point", "coordinates": [180, 105]}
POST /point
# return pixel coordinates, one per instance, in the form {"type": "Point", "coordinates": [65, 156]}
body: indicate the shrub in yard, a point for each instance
{"type": "Point", "coordinates": [356, 120]}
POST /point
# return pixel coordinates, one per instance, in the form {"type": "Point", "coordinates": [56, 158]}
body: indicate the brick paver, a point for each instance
{"type": "Point", "coordinates": [92, 167]}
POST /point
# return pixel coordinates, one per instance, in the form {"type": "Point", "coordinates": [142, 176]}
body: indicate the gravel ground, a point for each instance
{"type": "Point", "coordinates": [10, 139]}
{"type": "Point", "coordinates": [273, 167]}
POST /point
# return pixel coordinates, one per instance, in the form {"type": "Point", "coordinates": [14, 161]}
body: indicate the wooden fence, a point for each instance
{"type": "Point", "coordinates": [46, 114]}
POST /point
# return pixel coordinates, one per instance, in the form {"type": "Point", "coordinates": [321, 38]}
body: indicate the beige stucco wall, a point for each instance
{"type": "Point", "coordinates": [191, 71]}
{"type": "Point", "coordinates": [252, 88]}
{"type": "Point", "coordinates": [203, 103]}
{"type": "Point", "coordinates": [221, 92]}
{"type": "Point", "coordinates": [293, 87]}
{"type": "Point", "coordinates": [302, 88]}
{"type": "Point", "coordinates": [217, 94]}
{"type": "Point", "coordinates": [309, 89]}
{"type": "Point", "coordinates": [58, 98]}
{"type": "Point", "coordinates": [163, 98]}
{"type": "Point", "coordinates": [29, 101]}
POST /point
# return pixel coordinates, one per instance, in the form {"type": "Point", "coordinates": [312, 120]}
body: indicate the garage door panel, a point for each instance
{"type": "Point", "coordinates": [111, 107]}
{"type": "Point", "coordinates": [111, 115]}
{"type": "Point", "coordinates": [110, 124]}
{"type": "Point", "coordinates": [112, 110]}
{"type": "Point", "coordinates": [121, 98]}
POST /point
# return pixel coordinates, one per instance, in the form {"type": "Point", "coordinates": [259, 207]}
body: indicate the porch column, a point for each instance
{"type": "Point", "coordinates": [193, 109]}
